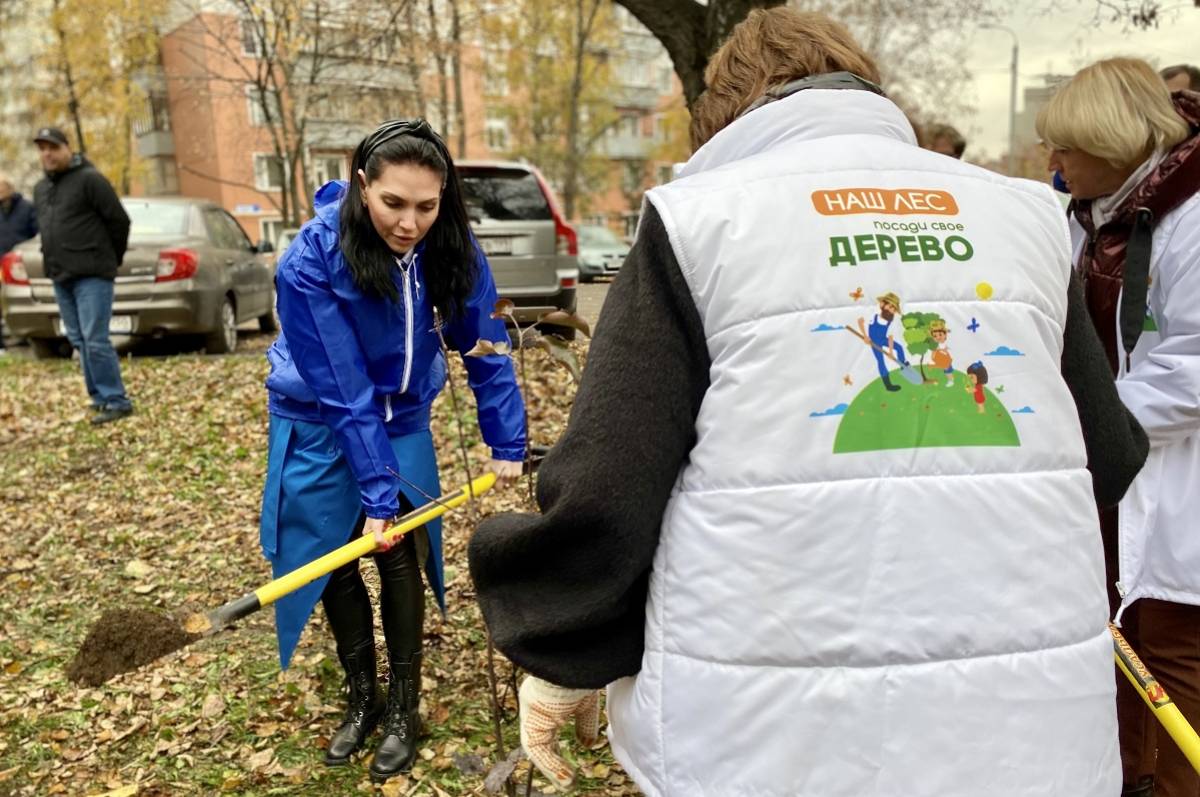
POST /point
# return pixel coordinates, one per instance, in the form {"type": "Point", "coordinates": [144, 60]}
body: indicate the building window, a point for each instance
{"type": "Point", "coordinates": [254, 100]}
{"type": "Point", "coordinates": [495, 73]}
{"type": "Point", "coordinates": [327, 167]}
{"type": "Point", "coordinates": [269, 230]}
{"type": "Point", "coordinates": [249, 37]}
{"type": "Point", "coordinates": [629, 125]}
{"type": "Point", "coordinates": [155, 116]}
{"type": "Point", "coordinates": [495, 132]}
{"type": "Point", "coordinates": [665, 82]}
{"type": "Point", "coordinates": [631, 179]}
{"type": "Point", "coordinates": [268, 172]}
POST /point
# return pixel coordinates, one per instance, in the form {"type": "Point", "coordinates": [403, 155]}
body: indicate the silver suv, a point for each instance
{"type": "Point", "coordinates": [532, 250]}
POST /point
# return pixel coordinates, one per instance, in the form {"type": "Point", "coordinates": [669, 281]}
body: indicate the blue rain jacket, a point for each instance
{"type": "Point", "coordinates": [369, 368]}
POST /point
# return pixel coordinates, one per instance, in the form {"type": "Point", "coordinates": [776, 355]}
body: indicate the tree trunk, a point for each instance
{"type": "Point", "coordinates": [439, 57]}
{"type": "Point", "coordinates": [692, 32]}
{"type": "Point", "coordinates": [410, 59]}
{"type": "Point", "coordinates": [460, 119]}
{"type": "Point", "coordinates": [584, 20]}
{"type": "Point", "coordinates": [72, 97]}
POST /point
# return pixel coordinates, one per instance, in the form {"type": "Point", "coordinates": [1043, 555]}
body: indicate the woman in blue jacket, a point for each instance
{"type": "Point", "coordinates": [361, 292]}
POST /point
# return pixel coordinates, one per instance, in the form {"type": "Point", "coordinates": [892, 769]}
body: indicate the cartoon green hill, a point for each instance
{"type": "Point", "coordinates": [923, 416]}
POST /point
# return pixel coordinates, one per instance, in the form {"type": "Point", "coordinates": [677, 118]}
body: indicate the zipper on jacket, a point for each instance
{"type": "Point", "coordinates": [408, 326]}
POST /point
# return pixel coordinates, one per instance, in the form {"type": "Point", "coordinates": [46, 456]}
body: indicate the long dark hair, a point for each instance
{"type": "Point", "coordinates": [449, 257]}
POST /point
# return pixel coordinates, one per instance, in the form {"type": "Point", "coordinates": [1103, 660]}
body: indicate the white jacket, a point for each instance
{"type": "Point", "coordinates": [856, 592]}
{"type": "Point", "coordinates": [1160, 516]}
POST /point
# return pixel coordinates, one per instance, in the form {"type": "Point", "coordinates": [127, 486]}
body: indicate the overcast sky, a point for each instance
{"type": "Point", "coordinates": [1062, 42]}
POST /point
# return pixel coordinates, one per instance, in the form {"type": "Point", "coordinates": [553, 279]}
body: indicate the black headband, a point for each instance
{"type": "Point", "coordinates": [827, 80]}
{"type": "Point", "coordinates": [402, 127]}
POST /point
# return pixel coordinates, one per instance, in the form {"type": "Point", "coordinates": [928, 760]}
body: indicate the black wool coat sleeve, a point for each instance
{"type": "Point", "coordinates": [564, 592]}
{"type": "Point", "coordinates": [108, 207]}
{"type": "Point", "coordinates": [1116, 444]}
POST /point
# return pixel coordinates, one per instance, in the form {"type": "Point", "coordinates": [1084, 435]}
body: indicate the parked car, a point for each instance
{"type": "Point", "coordinates": [531, 248]}
{"type": "Point", "coordinates": [601, 252]}
{"type": "Point", "coordinates": [189, 270]}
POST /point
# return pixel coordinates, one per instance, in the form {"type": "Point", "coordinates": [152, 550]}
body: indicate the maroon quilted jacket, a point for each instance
{"type": "Point", "coordinates": [1104, 265]}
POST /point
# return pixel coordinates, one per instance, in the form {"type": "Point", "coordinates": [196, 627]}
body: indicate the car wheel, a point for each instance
{"type": "Point", "coordinates": [223, 339]}
{"type": "Point", "coordinates": [49, 348]}
{"type": "Point", "coordinates": [270, 321]}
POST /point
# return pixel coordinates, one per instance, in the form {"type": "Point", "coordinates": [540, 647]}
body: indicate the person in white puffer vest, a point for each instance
{"type": "Point", "coordinates": [795, 580]}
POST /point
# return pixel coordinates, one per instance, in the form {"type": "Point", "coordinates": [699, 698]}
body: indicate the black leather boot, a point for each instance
{"type": "Point", "coordinates": [1143, 788]}
{"type": "Point", "coordinates": [887, 383]}
{"type": "Point", "coordinates": [364, 705]}
{"type": "Point", "coordinates": [401, 721]}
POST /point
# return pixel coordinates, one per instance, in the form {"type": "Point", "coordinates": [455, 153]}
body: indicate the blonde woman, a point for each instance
{"type": "Point", "coordinates": [1129, 152]}
{"type": "Point", "coordinates": [774, 615]}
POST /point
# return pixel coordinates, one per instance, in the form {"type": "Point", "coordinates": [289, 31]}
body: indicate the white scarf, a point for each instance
{"type": "Point", "coordinates": [1104, 207]}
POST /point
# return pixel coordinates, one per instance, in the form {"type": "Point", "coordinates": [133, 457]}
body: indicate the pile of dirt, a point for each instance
{"type": "Point", "coordinates": [123, 640]}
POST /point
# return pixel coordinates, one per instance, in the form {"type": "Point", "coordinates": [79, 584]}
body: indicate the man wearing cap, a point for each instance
{"type": "Point", "coordinates": [17, 222]}
{"type": "Point", "coordinates": [85, 231]}
{"type": "Point", "coordinates": [880, 338]}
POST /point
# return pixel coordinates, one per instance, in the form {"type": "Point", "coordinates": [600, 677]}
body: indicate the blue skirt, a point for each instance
{"type": "Point", "coordinates": [311, 505]}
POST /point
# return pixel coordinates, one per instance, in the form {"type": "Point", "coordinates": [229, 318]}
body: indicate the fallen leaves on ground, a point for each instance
{"type": "Point", "coordinates": [160, 512]}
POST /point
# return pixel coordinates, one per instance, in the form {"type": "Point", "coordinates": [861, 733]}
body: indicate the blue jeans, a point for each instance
{"type": "Point", "coordinates": [86, 308]}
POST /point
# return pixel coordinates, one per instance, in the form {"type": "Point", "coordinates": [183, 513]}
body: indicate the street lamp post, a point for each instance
{"type": "Point", "coordinates": [1012, 98]}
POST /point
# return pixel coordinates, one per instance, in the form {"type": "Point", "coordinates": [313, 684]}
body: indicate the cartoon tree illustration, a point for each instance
{"type": "Point", "coordinates": [917, 337]}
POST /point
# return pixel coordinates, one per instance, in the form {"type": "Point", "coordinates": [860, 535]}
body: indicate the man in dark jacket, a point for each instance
{"type": "Point", "coordinates": [84, 234]}
{"type": "Point", "coordinates": [17, 223]}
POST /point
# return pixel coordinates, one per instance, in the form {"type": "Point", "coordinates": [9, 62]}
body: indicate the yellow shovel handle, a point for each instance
{"type": "Point", "coordinates": [1156, 698]}
{"type": "Point", "coordinates": [274, 590]}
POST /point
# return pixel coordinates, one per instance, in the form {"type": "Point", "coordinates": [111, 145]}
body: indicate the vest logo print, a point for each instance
{"type": "Point", "coordinates": [919, 394]}
{"type": "Point", "coordinates": [888, 201]}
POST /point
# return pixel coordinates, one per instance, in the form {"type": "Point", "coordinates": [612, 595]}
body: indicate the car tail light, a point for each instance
{"type": "Point", "coordinates": [566, 282]}
{"type": "Point", "coordinates": [12, 269]}
{"type": "Point", "coordinates": [175, 264]}
{"type": "Point", "coordinates": [568, 242]}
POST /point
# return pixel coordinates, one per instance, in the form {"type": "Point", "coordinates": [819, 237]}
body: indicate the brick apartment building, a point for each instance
{"type": "Point", "coordinates": [203, 133]}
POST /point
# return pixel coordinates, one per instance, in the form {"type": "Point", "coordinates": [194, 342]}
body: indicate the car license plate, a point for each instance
{"type": "Point", "coordinates": [118, 325]}
{"type": "Point", "coordinates": [496, 246]}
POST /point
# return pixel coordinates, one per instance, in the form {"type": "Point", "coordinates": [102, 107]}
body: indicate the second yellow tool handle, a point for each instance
{"type": "Point", "coordinates": [1156, 698]}
{"type": "Point", "coordinates": [274, 590]}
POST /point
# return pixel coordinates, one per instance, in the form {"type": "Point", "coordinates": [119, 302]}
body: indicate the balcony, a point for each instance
{"type": "Point", "coordinates": [327, 135]}
{"type": "Point", "coordinates": [156, 144]}
{"type": "Point", "coordinates": [627, 147]}
{"type": "Point", "coordinates": [636, 97]}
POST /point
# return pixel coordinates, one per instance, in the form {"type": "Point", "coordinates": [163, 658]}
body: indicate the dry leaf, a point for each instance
{"type": "Point", "coordinates": [124, 791]}
{"type": "Point", "coordinates": [261, 759]}
{"type": "Point", "coordinates": [197, 624]}
{"type": "Point", "coordinates": [504, 308]}
{"type": "Point", "coordinates": [559, 350]}
{"type": "Point", "coordinates": [145, 589]}
{"type": "Point", "coordinates": [561, 318]}
{"type": "Point", "coordinates": [136, 568]}
{"type": "Point", "coordinates": [395, 787]}
{"type": "Point", "coordinates": [214, 704]}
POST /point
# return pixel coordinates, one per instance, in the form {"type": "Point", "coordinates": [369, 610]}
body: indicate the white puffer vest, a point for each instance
{"type": "Point", "coordinates": [861, 591]}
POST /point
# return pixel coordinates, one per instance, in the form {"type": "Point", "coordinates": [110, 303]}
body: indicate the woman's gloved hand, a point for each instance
{"type": "Point", "coordinates": [544, 709]}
